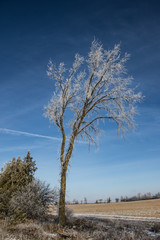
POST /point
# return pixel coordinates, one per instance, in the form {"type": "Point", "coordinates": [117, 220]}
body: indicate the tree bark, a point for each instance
{"type": "Point", "coordinates": [62, 217]}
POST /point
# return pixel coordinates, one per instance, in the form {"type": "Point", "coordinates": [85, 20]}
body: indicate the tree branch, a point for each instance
{"type": "Point", "coordinates": [88, 124]}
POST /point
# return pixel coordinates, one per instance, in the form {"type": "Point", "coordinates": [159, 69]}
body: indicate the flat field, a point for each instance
{"type": "Point", "coordinates": [146, 208]}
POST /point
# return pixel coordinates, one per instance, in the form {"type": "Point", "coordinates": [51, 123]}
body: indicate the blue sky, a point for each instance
{"type": "Point", "coordinates": [32, 32]}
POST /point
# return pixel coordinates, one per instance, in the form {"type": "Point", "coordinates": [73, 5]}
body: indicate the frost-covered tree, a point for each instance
{"type": "Point", "coordinates": [93, 89]}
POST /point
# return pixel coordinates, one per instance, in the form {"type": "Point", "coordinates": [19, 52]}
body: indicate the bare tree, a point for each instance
{"type": "Point", "coordinates": [97, 90]}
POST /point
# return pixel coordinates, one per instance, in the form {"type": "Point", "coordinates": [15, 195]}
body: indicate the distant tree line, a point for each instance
{"type": "Point", "coordinates": [139, 197]}
{"type": "Point", "coordinates": [75, 201]}
{"type": "Point", "coordinates": [108, 200]}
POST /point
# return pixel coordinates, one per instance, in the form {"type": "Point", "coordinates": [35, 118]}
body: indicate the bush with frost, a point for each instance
{"type": "Point", "coordinates": [33, 200]}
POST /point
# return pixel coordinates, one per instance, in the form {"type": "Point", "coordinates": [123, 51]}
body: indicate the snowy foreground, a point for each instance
{"type": "Point", "coordinates": [85, 227]}
{"type": "Point", "coordinates": [117, 217]}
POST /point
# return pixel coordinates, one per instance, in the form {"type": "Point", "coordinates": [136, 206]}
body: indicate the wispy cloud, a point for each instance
{"type": "Point", "coordinates": [15, 132]}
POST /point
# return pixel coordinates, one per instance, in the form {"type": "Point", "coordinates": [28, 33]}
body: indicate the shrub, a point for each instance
{"type": "Point", "coordinates": [33, 200]}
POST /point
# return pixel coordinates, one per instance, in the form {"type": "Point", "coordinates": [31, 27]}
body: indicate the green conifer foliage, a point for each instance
{"type": "Point", "coordinates": [30, 166]}
{"type": "Point", "coordinates": [16, 174]}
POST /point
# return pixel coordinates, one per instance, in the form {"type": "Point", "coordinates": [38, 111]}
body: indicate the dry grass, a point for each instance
{"type": "Point", "coordinates": [147, 208]}
{"type": "Point", "coordinates": [79, 229]}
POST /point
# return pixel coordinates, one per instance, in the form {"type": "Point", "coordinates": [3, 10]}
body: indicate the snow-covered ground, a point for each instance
{"type": "Point", "coordinates": [112, 217]}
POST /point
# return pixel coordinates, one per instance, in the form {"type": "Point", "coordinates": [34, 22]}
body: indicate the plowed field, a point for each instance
{"type": "Point", "coordinates": [147, 208]}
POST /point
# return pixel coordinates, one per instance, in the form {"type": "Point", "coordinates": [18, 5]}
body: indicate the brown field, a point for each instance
{"type": "Point", "coordinates": [147, 208]}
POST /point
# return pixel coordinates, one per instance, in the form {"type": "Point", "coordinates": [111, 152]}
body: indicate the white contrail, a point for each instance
{"type": "Point", "coordinates": [15, 132]}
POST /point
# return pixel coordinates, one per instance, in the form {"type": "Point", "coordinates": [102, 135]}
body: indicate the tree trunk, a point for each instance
{"type": "Point", "coordinates": [62, 217]}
